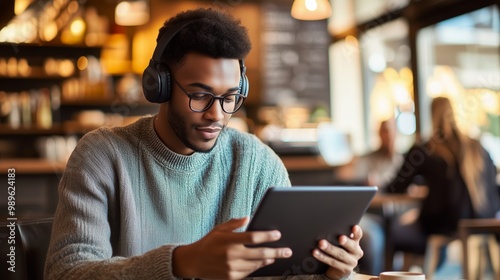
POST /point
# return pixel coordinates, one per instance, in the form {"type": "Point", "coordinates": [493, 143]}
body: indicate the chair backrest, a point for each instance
{"type": "Point", "coordinates": [23, 247]}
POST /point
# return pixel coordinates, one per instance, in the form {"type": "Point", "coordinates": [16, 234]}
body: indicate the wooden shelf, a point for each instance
{"type": "Point", "coordinates": [82, 102]}
{"type": "Point", "coordinates": [31, 78]}
{"type": "Point", "coordinates": [18, 84]}
{"type": "Point", "coordinates": [46, 50]}
{"type": "Point", "coordinates": [68, 127]}
{"type": "Point", "coordinates": [31, 166]}
{"type": "Point", "coordinates": [102, 102]}
{"type": "Point", "coordinates": [7, 130]}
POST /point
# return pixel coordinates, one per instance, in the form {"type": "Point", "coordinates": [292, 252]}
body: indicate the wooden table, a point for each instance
{"type": "Point", "coordinates": [302, 163]}
{"type": "Point", "coordinates": [394, 199]}
{"type": "Point", "coordinates": [365, 277]}
{"type": "Point", "coordinates": [308, 170]}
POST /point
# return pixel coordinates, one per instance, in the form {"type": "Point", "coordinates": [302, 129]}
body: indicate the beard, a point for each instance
{"type": "Point", "coordinates": [180, 129]}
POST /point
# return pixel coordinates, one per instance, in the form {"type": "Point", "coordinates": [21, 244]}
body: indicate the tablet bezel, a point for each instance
{"type": "Point", "coordinates": [307, 206]}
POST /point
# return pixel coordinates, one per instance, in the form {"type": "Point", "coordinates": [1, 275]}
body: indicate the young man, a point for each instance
{"type": "Point", "coordinates": [169, 196]}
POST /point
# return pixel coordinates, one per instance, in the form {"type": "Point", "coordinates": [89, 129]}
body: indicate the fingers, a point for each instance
{"type": "Point", "coordinates": [255, 258]}
{"type": "Point", "coordinates": [341, 259]}
{"type": "Point", "coordinates": [258, 237]}
{"type": "Point", "coordinates": [337, 259]}
{"type": "Point", "coordinates": [357, 232]}
{"type": "Point", "coordinates": [351, 243]}
{"type": "Point", "coordinates": [233, 224]}
{"type": "Point", "coordinates": [341, 254]}
{"type": "Point", "coordinates": [268, 253]}
{"type": "Point", "coordinates": [224, 254]}
{"type": "Point", "coordinates": [253, 238]}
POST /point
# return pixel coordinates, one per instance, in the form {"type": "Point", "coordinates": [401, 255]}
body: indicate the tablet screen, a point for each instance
{"type": "Point", "coordinates": [304, 215]}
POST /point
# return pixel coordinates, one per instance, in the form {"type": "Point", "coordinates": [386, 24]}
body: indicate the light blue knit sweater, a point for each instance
{"type": "Point", "coordinates": [126, 200]}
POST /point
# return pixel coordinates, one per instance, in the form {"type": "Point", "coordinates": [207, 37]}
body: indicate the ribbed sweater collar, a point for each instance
{"type": "Point", "coordinates": [166, 157]}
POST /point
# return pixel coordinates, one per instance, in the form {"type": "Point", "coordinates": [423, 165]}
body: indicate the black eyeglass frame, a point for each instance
{"type": "Point", "coordinates": [221, 99]}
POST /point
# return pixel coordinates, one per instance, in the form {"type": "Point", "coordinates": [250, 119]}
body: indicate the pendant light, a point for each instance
{"type": "Point", "coordinates": [132, 13]}
{"type": "Point", "coordinates": [311, 9]}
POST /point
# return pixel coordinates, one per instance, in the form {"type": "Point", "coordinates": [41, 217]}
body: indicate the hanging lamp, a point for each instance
{"type": "Point", "coordinates": [132, 13]}
{"type": "Point", "coordinates": [311, 9]}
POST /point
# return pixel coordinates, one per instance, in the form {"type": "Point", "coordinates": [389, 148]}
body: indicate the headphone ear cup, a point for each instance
{"type": "Point", "coordinates": [156, 83]}
{"type": "Point", "coordinates": [166, 88]}
{"type": "Point", "coordinates": [244, 85]}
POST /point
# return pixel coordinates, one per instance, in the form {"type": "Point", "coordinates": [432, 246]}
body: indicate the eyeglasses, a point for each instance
{"type": "Point", "coordinates": [201, 101]}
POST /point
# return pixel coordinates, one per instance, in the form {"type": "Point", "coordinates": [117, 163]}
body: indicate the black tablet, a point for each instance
{"type": "Point", "coordinates": [304, 215]}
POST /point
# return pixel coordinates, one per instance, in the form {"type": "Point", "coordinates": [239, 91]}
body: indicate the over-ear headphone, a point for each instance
{"type": "Point", "coordinates": [156, 82]}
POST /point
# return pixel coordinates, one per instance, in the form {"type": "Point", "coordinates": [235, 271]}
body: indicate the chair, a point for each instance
{"type": "Point", "coordinates": [476, 237]}
{"type": "Point", "coordinates": [31, 237]}
{"type": "Point", "coordinates": [473, 249]}
{"type": "Point", "coordinates": [430, 260]}
{"type": "Point", "coordinates": [394, 206]}
{"type": "Point", "coordinates": [435, 244]}
{"type": "Point", "coordinates": [486, 229]}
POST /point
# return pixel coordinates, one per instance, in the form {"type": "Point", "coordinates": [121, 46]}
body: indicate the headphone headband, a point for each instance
{"type": "Point", "coordinates": [167, 37]}
{"type": "Point", "coordinates": [156, 83]}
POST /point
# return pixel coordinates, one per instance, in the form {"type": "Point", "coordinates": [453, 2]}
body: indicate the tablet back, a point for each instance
{"type": "Point", "coordinates": [304, 215]}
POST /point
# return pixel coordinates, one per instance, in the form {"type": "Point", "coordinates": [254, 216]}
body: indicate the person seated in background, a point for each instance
{"type": "Point", "coordinates": [374, 168]}
{"type": "Point", "coordinates": [377, 167]}
{"type": "Point", "coordinates": [169, 196]}
{"type": "Point", "coordinates": [460, 178]}
{"type": "Point", "coordinates": [380, 166]}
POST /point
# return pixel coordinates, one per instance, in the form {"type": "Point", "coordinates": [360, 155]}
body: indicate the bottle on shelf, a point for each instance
{"type": "Point", "coordinates": [15, 114]}
{"type": "Point", "coordinates": [25, 100]}
{"type": "Point", "coordinates": [44, 111]}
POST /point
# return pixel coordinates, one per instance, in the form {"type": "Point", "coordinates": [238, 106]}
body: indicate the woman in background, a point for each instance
{"type": "Point", "coordinates": [460, 176]}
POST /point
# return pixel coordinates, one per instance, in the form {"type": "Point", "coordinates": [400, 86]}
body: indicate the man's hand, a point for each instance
{"type": "Point", "coordinates": [222, 253]}
{"type": "Point", "coordinates": [341, 259]}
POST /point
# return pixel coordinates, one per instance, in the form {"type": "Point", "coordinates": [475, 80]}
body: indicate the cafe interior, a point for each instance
{"type": "Point", "coordinates": [323, 76]}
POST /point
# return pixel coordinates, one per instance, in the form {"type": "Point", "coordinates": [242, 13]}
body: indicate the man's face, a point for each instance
{"type": "Point", "coordinates": [193, 131]}
{"type": "Point", "coordinates": [387, 133]}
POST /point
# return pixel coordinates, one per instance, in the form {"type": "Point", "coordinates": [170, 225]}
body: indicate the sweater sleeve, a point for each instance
{"type": "Point", "coordinates": [80, 245]}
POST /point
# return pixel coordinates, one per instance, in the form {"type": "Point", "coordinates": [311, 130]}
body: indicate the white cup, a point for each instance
{"type": "Point", "coordinates": [401, 275]}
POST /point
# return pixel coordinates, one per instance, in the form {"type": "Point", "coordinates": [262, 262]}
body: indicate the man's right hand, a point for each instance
{"type": "Point", "coordinates": [222, 253]}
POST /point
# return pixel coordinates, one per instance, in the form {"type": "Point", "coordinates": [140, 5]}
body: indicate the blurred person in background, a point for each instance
{"type": "Point", "coordinates": [460, 178]}
{"type": "Point", "coordinates": [380, 166]}
{"type": "Point", "coordinates": [375, 168]}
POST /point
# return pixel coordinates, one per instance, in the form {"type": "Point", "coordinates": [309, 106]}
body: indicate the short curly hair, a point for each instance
{"type": "Point", "coordinates": [216, 34]}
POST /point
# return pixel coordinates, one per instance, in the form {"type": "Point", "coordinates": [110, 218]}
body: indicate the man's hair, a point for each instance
{"type": "Point", "coordinates": [216, 34]}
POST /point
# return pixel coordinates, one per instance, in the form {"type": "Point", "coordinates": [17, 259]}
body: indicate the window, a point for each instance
{"type": "Point", "coordinates": [459, 58]}
{"type": "Point", "coordinates": [372, 82]}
